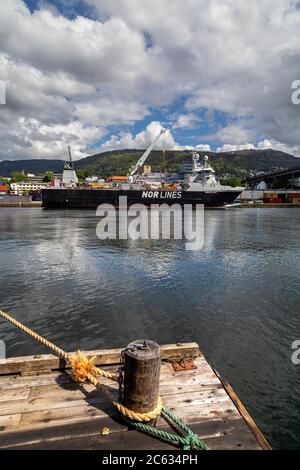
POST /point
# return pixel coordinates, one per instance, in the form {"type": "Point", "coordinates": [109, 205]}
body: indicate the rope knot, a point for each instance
{"type": "Point", "coordinates": [192, 442]}
{"type": "Point", "coordinates": [82, 367]}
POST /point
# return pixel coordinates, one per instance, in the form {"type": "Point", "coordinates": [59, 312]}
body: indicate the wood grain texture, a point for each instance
{"type": "Point", "coordinates": [24, 364]}
{"type": "Point", "coordinates": [141, 377]}
{"type": "Point", "coordinates": [50, 411]}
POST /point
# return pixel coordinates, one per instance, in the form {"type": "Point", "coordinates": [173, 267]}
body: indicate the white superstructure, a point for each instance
{"type": "Point", "coordinates": [202, 177]}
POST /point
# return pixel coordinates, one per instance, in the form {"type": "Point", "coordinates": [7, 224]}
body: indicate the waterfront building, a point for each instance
{"type": "Point", "coordinates": [3, 189]}
{"type": "Point", "coordinates": [19, 188]}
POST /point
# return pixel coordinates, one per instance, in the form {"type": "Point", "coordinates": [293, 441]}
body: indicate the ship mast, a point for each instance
{"type": "Point", "coordinates": [69, 163]}
{"type": "Point", "coordinates": [69, 174]}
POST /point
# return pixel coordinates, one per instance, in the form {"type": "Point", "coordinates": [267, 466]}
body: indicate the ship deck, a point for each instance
{"type": "Point", "coordinates": [42, 408]}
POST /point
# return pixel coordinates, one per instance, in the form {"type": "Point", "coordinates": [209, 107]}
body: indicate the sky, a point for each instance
{"type": "Point", "coordinates": [109, 74]}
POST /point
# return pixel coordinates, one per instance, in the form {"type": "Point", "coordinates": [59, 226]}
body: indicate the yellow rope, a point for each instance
{"type": "Point", "coordinates": [81, 365]}
{"type": "Point", "coordinates": [60, 352]}
{"type": "Point", "coordinates": [84, 369]}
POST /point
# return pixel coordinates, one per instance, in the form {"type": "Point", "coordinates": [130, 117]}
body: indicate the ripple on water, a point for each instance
{"type": "Point", "coordinates": [238, 297]}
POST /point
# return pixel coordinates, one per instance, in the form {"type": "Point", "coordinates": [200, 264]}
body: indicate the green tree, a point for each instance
{"type": "Point", "coordinates": [232, 181]}
{"type": "Point", "coordinates": [19, 177]}
{"type": "Point", "coordinates": [279, 183]}
{"type": "Point", "coordinates": [4, 181]}
{"type": "Point", "coordinates": [48, 176]}
{"type": "Point", "coordinates": [82, 174]}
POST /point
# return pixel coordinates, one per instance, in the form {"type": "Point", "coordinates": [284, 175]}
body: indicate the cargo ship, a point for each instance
{"type": "Point", "coordinates": [199, 187]}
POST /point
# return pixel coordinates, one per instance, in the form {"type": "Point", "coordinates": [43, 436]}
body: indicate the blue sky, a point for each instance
{"type": "Point", "coordinates": [108, 74]}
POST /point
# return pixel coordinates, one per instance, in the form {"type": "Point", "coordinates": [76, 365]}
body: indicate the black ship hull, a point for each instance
{"type": "Point", "coordinates": [92, 198]}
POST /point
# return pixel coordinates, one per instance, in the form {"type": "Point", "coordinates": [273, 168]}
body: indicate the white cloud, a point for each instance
{"type": "Point", "coordinates": [203, 147]}
{"type": "Point", "coordinates": [261, 145]}
{"type": "Point", "coordinates": [235, 147]}
{"type": "Point", "coordinates": [273, 144]}
{"type": "Point", "coordinates": [186, 121]}
{"type": "Point", "coordinates": [59, 72]}
{"type": "Point", "coordinates": [228, 56]}
{"type": "Point", "coordinates": [142, 140]}
{"type": "Point", "coordinates": [233, 134]}
{"type": "Point", "coordinates": [93, 74]}
{"type": "Point", "coordinates": [31, 139]}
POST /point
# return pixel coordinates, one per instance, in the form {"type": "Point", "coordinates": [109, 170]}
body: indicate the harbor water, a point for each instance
{"type": "Point", "coordinates": [238, 297]}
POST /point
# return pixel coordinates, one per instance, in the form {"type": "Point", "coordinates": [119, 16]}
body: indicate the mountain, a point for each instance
{"type": "Point", "coordinates": [240, 163]}
{"type": "Point", "coordinates": [31, 166]}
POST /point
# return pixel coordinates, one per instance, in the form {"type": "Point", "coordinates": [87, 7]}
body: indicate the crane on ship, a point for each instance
{"type": "Point", "coordinates": [133, 171]}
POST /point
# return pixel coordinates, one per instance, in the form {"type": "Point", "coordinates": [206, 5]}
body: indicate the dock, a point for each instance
{"type": "Point", "coordinates": [262, 205]}
{"type": "Point", "coordinates": [21, 204]}
{"type": "Point", "coordinates": [41, 407]}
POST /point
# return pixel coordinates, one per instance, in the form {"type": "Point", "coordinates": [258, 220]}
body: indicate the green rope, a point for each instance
{"type": "Point", "coordinates": [189, 442]}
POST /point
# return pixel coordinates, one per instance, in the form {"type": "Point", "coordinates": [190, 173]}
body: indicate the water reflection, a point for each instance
{"type": "Point", "coordinates": [238, 296]}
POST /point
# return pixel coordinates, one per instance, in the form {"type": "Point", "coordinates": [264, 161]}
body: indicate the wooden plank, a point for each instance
{"type": "Point", "coordinates": [11, 395]}
{"type": "Point", "coordinates": [72, 389]}
{"type": "Point", "coordinates": [76, 397]}
{"type": "Point", "coordinates": [51, 411]}
{"type": "Point", "coordinates": [93, 425]}
{"type": "Point", "coordinates": [244, 413]}
{"type": "Point", "coordinates": [47, 397]}
{"type": "Point", "coordinates": [17, 365]}
{"type": "Point", "coordinates": [9, 422]}
{"type": "Point", "coordinates": [16, 380]}
{"type": "Point", "coordinates": [232, 434]}
{"type": "Point", "coordinates": [86, 412]}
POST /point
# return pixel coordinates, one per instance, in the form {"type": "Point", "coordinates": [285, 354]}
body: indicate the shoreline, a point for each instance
{"type": "Point", "coordinates": [245, 205]}
{"type": "Point", "coordinates": [21, 204]}
{"type": "Point", "coordinates": [262, 205]}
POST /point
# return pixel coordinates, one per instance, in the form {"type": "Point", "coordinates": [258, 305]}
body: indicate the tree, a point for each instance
{"type": "Point", "coordinates": [18, 177]}
{"type": "Point", "coordinates": [4, 181]}
{"type": "Point", "coordinates": [232, 181]}
{"type": "Point", "coordinates": [82, 174]}
{"type": "Point", "coordinates": [280, 183]}
{"type": "Point", "coordinates": [48, 176]}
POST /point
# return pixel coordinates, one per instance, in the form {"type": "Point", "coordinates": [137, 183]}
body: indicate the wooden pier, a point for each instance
{"type": "Point", "coordinates": [41, 407]}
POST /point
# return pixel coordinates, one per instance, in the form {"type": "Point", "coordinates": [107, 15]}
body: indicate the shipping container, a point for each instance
{"type": "Point", "coordinates": [272, 200]}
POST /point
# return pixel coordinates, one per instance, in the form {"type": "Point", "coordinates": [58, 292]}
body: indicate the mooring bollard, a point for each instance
{"type": "Point", "coordinates": [142, 362]}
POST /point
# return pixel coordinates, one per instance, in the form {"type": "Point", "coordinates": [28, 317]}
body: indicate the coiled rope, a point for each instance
{"type": "Point", "coordinates": [84, 369]}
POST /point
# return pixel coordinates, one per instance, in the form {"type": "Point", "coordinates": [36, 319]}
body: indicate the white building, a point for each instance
{"type": "Point", "coordinates": [261, 186]}
{"type": "Point", "coordinates": [92, 179]}
{"type": "Point", "coordinates": [27, 186]}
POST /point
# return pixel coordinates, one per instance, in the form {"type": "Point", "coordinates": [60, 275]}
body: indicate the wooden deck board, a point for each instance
{"type": "Point", "coordinates": [50, 411]}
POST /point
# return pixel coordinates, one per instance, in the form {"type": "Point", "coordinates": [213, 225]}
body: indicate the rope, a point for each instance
{"type": "Point", "coordinates": [190, 442]}
{"type": "Point", "coordinates": [83, 369]}
{"type": "Point", "coordinates": [39, 338]}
